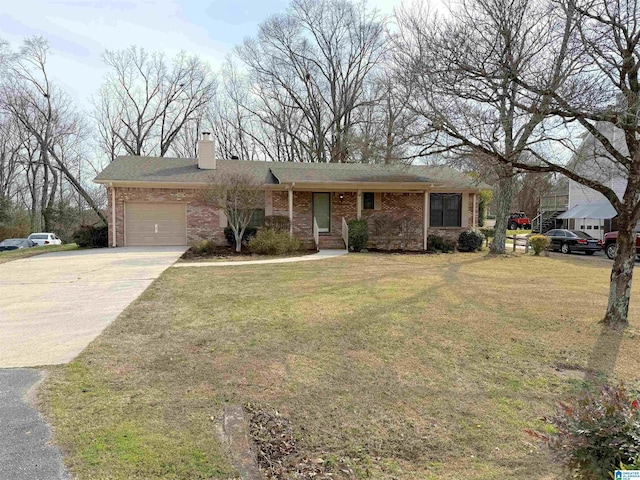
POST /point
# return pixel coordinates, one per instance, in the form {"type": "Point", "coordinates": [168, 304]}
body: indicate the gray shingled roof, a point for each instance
{"type": "Point", "coordinates": [185, 170]}
{"type": "Point", "coordinates": [176, 170]}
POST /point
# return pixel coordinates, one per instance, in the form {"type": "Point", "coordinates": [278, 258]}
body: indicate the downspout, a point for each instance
{"type": "Point", "coordinates": [113, 214]}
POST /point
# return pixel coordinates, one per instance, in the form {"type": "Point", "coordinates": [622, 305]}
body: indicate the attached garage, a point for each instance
{"type": "Point", "coordinates": [155, 224]}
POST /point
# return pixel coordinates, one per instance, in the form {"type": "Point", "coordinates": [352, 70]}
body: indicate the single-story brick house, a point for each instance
{"type": "Point", "coordinates": [157, 201]}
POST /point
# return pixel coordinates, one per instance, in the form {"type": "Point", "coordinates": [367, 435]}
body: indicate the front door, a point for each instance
{"type": "Point", "coordinates": [322, 211]}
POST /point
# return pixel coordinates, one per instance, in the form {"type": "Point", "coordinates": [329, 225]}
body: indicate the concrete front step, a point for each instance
{"type": "Point", "coordinates": [331, 243]}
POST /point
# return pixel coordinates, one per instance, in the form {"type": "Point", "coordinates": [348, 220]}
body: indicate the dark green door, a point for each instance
{"type": "Point", "coordinates": [322, 211]}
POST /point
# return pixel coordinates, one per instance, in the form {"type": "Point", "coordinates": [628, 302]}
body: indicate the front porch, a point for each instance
{"type": "Point", "coordinates": [397, 220]}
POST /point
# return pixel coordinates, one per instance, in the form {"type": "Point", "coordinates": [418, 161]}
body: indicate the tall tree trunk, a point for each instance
{"type": "Point", "coordinates": [80, 189]}
{"type": "Point", "coordinates": [35, 221]}
{"type": "Point", "coordinates": [621, 275]}
{"type": "Point", "coordinates": [48, 212]}
{"type": "Point", "coordinates": [45, 193]}
{"type": "Point", "coordinates": [49, 188]}
{"type": "Point", "coordinates": [506, 191]}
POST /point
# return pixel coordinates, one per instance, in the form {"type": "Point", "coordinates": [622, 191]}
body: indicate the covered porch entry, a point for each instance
{"type": "Point", "coordinates": [319, 216]}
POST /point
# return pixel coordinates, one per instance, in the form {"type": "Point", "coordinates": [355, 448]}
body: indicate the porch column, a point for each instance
{"type": "Point", "coordinates": [474, 216]}
{"type": "Point", "coordinates": [113, 216]}
{"type": "Point", "coordinates": [291, 211]}
{"type": "Point", "coordinates": [425, 220]}
{"type": "Point", "coordinates": [359, 204]}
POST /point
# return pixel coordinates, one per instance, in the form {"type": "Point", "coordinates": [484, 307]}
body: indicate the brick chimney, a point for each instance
{"type": "Point", "coordinates": [207, 152]}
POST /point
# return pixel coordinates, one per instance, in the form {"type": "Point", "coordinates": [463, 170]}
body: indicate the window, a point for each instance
{"type": "Point", "coordinates": [445, 210]}
{"type": "Point", "coordinates": [368, 200]}
{"type": "Point", "coordinates": [257, 218]}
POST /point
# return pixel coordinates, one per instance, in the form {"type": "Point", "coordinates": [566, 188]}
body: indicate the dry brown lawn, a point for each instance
{"type": "Point", "coordinates": [405, 366]}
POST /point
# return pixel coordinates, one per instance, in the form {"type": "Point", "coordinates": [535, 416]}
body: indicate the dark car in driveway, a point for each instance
{"type": "Point", "coordinates": [568, 241]}
{"type": "Point", "coordinates": [16, 244]}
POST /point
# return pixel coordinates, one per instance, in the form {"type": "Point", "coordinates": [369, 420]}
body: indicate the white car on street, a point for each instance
{"type": "Point", "coordinates": [45, 239]}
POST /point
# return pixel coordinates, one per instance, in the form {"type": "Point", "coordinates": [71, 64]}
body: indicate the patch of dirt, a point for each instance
{"type": "Point", "coordinates": [279, 455]}
{"type": "Point", "coordinates": [572, 372]}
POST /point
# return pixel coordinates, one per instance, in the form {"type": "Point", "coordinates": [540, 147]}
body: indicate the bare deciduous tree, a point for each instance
{"type": "Point", "coordinates": [145, 103]}
{"type": "Point", "coordinates": [533, 186]}
{"type": "Point", "coordinates": [602, 95]}
{"type": "Point", "coordinates": [462, 71]}
{"type": "Point", "coordinates": [549, 69]}
{"type": "Point", "coordinates": [45, 113]}
{"type": "Point", "coordinates": [312, 65]}
{"type": "Point", "coordinates": [382, 124]}
{"type": "Point", "coordinates": [237, 195]}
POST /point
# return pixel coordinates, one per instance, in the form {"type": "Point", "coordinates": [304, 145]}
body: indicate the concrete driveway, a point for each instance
{"type": "Point", "coordinates": [53, 305]}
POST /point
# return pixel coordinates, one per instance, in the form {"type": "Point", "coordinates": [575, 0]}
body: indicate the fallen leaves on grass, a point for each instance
{"type": "Point", "coordinates": [279, 456]}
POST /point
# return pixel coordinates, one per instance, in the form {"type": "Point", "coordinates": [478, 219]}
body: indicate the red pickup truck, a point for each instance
{"type": "Point", "coordinates": [610, 240]}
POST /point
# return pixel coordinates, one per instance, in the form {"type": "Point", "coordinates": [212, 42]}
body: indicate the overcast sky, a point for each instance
{"type": "Point", "coordinates": [80, 30]}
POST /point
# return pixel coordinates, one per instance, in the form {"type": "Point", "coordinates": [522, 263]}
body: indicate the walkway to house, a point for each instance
{"type": "Point", "coordinates": [321, 255]}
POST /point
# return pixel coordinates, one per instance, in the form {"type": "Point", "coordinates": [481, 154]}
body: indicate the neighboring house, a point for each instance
{"type": "Point", "coordinates": [553, 204]}
{"type": "Point", "coordinates": [589, 210]}
{"type": "Point", "coordinates": [157, 201]}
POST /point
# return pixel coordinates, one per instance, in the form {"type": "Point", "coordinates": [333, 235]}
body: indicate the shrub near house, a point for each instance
{"type": "Point", "coordinates": [470, 241]}
{"type": "Point", "coordinates": [269, 241]}
{"type": "Point", "coordinates": [358, 235]}
{"type": "Point", "coordinates": [539, 243]}
{"type": "Point", "coordinates": [437, 244]}
{"type": "Point", "coordinates": [91, 236]}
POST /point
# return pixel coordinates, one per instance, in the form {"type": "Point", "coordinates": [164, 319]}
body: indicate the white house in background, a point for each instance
{"type": "Point", "coordinates": [589, 210]}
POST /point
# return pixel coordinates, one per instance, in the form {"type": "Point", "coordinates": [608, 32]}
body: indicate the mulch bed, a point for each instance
{"type": "Point", "coordinates": [219, 252]}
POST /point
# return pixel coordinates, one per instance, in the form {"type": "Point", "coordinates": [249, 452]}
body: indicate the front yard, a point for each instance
{"type": "Point", "coordinates": [402, 366]}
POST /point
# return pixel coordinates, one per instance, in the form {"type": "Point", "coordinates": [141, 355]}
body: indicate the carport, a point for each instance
{"type": "Point", "coordinates": [590, 211]}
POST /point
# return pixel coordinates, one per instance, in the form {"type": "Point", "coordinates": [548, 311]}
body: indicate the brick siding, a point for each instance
{"type": "Point", "coordinates": [203, 222]}
{"type": "Point", "coordinates": [407, 206]}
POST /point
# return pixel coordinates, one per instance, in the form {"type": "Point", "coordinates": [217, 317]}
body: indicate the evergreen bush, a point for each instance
{"type": "Point", "coordinates": [358, 234]}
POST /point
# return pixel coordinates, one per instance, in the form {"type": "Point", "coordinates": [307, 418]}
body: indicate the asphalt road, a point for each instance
{"type": "Point", "coordinates": [25, 452]}
{"type": "Point", "coordinates": [598, 256]}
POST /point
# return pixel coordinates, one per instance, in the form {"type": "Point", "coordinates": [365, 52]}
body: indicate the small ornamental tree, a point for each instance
{"type": "Point", "coordinates": [238, 196]}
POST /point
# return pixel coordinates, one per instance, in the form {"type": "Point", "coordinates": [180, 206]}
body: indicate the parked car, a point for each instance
{"type": "Point", "coordinates": [45, 238]}
{"type": "Point", "coordinates": [519, 220]}
{"type": "Point", "coordinates": [568, 241]}
{"type": "Point", "coordinates": [16, 244]}
{"type": "Point", "coordinates": [610, 240]}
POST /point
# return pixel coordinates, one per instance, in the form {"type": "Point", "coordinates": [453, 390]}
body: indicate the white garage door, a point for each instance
{"type": "Point", "coordinates": [155, 224]}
